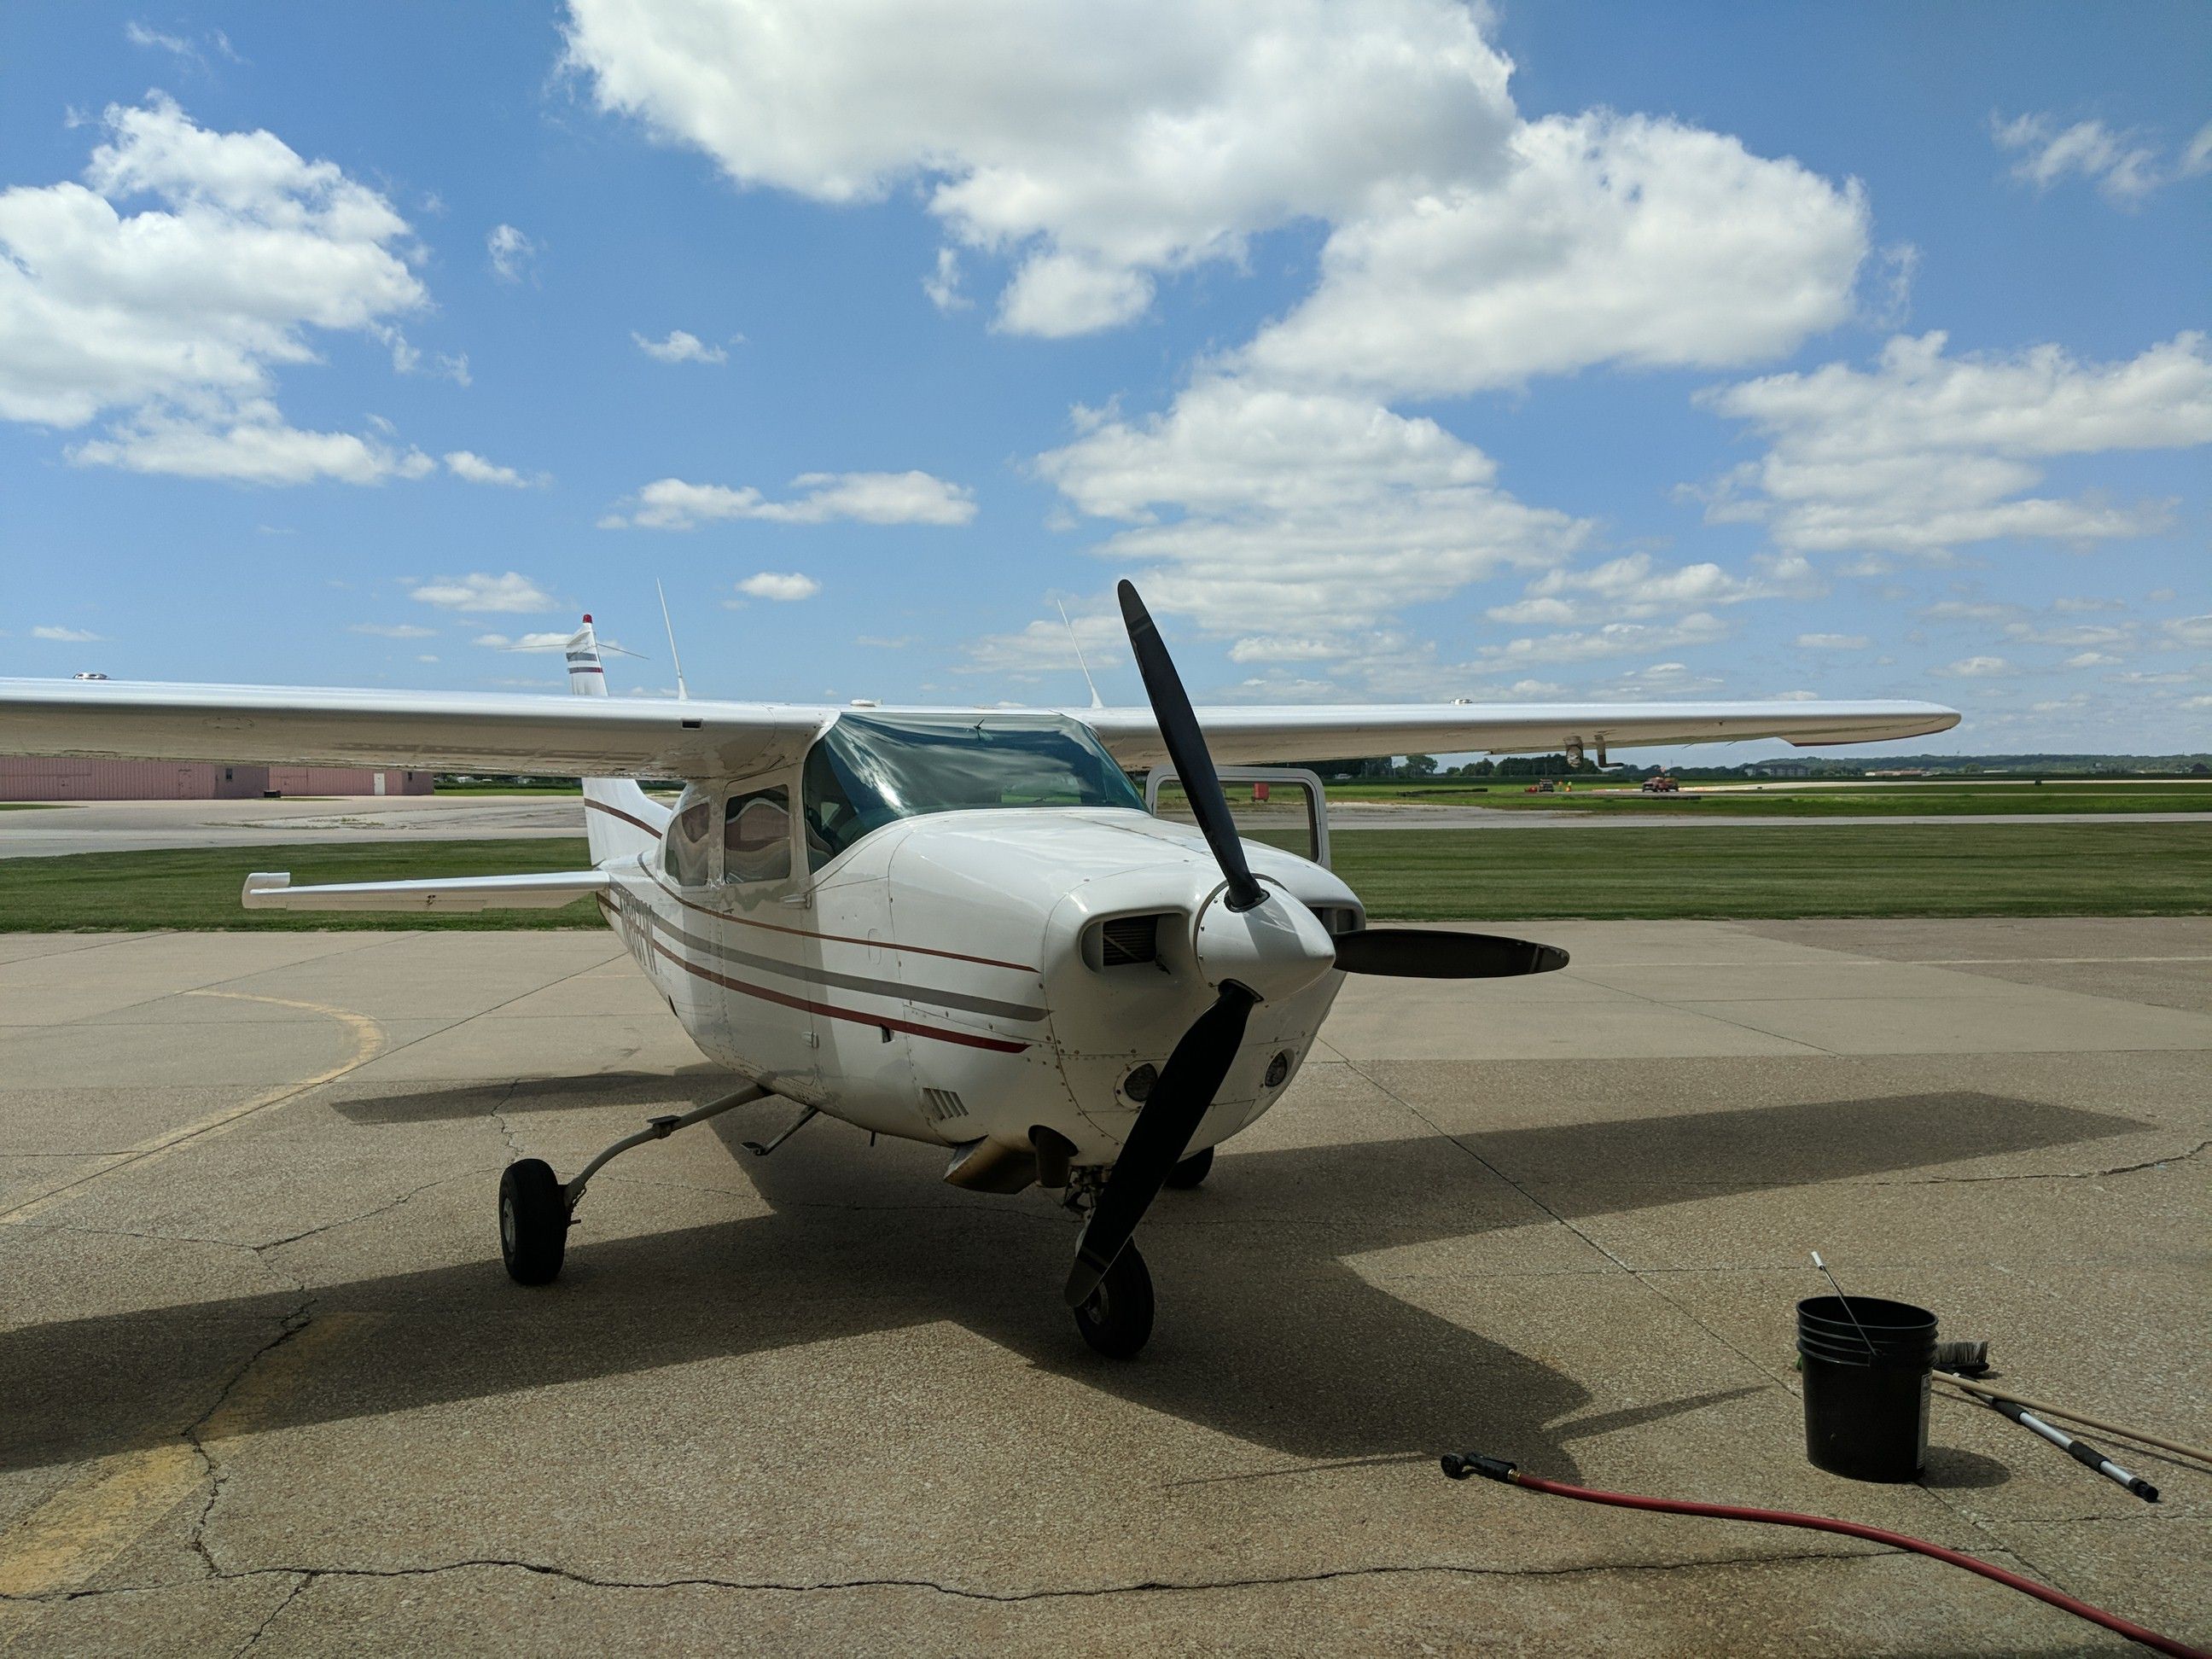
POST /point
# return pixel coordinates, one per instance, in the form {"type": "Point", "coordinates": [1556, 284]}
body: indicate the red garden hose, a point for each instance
{"type": "Point", "coordinates": [1460, 1464]}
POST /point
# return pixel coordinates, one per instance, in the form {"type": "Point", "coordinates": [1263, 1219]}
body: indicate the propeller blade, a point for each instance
{"type": "Point", "coordinates": [1187, 1086]}
{"type": "Point", "coordinates": [1187, 750]}
{"type": "Point", "coordinates": [1429, 953]}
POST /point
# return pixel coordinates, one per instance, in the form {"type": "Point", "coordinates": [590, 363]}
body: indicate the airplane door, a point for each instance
{"type": "Point", "coordinates": [764, 945]}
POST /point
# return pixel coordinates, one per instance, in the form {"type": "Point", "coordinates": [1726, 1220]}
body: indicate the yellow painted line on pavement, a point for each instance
{"type": "Point", "coordinates": [87, 1524]}
{"type": "Point", "coordinates": [368, 1043]}
{"type": "Point", "coordinates": [70, 1536]}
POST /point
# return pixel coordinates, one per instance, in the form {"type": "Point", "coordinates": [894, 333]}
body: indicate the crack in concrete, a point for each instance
{"type": "Point", "coordinates": [499, 1120]}
{"type": "Point", "coordinates": [254, 1249]}
{"type": "Point", "coordinates": [252, 1641]}
{"type": "Point", "coordinates": [385, 1208]}
{"type": "Point", "coordinates": [2159, 1163]}
{"type": "Point", "coordinates": [308, 1575]}
{"type": "Point", "coordinates": [290, 1325]}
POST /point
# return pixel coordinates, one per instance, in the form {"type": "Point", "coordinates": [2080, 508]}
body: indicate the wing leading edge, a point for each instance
{"type": "Point", "coordinates": [1253, 736]}
{"type": "Point", "coordinates": [554, 734]}
{"type": "Point", "coordinates": [653, 737]}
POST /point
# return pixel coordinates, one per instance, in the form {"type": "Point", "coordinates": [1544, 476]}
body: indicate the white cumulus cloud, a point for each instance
{"type": "Point", "coordinates": [392, 630]}
{"type": "Point", "coordinates": [65, 635]}
{"type": "Point", "coordinates": [867, 497]}
{"type": "Point", "coordinates": [510, 253]}
{"type": "Point", "coordinates": [1044, 646]}
{"type": "Point", "coordinates": [174, 316]}
{"type": "Point", "coordinates": [1609, 238]}
{"type": "Point", "coordinates": [1097, 146]}
{"type": "Point", "coordinates": [1635, 586]}
{"type": "Point", "coordinates": [682, 346]}
{"type": "Point", "coordinates": [1929, 452]}
{"type": "Point", "coordinates": [250, 442]}
{"type": "Point", "coordinates": [1832, 641]}
{"type": "Point", "coordinates": [2124, 169]}
{"type": "Point", "coordinates": [1306, 516]}
{"type": "Point", "coordinates": [1975, 668]}
{"type": "Point", "coordinates": [1594, 644]}
{"type": "Point", "coordinates": [479, 592]}
{"type": "Point", "coordinates": [473, 468]}
{"type": "Point", "coordinates": [784, 586]}
{"type": "Point", "coordinates": [942, 285]}
{"type": "Point", "coordinates": [195, 54]}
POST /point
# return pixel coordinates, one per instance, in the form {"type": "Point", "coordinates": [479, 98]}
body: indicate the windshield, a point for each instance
{"type": "Point", "coordinates": [868, 769]}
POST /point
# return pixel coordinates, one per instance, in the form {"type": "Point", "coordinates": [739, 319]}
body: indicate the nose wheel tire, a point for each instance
{"type": "Point", "coordinates": [1117, 1320]}
{"type": "Point", "coordinates": [1191, 1170]}
{"type": "Point", "coordinates": [533, 1222]}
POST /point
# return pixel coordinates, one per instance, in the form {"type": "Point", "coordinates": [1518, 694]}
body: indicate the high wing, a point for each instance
{"type": "Point", "coordinates": [427, 731]}
{"type": "Point", "coordinates": [655, 737]}
{"type": "Point", "coordinates": [1251, 736]}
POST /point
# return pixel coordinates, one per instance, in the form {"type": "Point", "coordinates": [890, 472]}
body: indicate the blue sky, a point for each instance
{"type": "Point", "coordinates": [1401, 351]}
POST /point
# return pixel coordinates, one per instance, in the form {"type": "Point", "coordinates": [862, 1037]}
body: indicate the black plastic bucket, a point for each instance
{"type": "Point", "coordinates": [1866, 1385]}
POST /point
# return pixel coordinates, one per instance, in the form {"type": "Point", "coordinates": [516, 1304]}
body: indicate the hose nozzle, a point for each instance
{"type": "Point", "coordinates": [1460, 1464]}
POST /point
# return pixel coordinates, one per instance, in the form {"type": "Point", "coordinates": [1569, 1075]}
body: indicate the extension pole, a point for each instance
{"type": "Point", "coordinates": [1972, 1386]}
{"type": "Point", "coordinates": [2080, 1451]}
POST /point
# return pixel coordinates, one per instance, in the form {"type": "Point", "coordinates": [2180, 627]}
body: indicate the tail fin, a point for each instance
{"type": "Point", "coordinates": [620, 819]}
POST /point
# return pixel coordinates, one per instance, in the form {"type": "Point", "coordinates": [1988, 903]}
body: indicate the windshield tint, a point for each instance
{"type": "Point", "coordinates": [868, 769]}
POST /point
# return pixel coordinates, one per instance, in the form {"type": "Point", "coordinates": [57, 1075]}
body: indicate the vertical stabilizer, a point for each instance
{"type": "Point", "coordinates": [620, 819]}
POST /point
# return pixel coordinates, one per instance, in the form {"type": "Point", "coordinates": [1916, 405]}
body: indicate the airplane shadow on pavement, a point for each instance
{"type": "Point", "coordinates": [1265, 1333]}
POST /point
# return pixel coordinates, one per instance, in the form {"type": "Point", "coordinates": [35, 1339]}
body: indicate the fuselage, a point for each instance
{"type": "Point", "coordinates": [968, 976]}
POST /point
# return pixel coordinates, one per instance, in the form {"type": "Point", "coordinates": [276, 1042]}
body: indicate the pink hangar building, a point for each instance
{"type": "Point", "coordinates": [146, 779]}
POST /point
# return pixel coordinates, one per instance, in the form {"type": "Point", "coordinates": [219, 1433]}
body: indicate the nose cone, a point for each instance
{"type": "Point", "coordinates": [1275, 948]}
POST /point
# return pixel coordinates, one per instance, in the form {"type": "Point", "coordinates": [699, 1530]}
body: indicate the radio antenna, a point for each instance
{"type": "Point", "coordinates": [1077, 642]}
{"type": "Point", "coordinates": [682, 692]}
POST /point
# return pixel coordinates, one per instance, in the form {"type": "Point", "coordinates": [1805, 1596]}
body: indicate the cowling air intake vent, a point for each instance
{"type": "Point", "coordinates": [942, 1105]}
{"type": "Point", "coordinates": [1126, 939]}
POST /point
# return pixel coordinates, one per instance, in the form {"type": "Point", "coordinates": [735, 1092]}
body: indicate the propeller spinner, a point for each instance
{"type": "Point", "coordinates": [1279, 948]}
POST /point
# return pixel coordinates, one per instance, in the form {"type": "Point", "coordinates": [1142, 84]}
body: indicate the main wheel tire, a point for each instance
{"type": "Point", "coordinates": [1191, 1170]}
{"type": "Point", "coordinates": [1117, 1320]}
{"type": "Point", "coordinates": [533, 1222]}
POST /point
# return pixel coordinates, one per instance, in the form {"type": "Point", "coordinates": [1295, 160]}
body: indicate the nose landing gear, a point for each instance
{"type": "Point", "coordinates": [1117, 1320]}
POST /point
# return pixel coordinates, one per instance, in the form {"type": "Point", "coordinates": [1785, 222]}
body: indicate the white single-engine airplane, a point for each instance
{"type": "Point", "coordinates": [958, 927]}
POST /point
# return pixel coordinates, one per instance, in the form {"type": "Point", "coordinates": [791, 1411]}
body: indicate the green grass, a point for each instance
{"type": "Point", "coordinates": [28, 806]}
{"type": "Point", "coordinates": [1877, 869]}
{"type": "Point", "coordinates": [1959, 869]}
{"type": "Point", "coordinates": [199, 887]}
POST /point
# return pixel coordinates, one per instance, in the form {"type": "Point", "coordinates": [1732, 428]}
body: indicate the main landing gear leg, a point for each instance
{"type": "Point", "coordinates": [536, 1209]}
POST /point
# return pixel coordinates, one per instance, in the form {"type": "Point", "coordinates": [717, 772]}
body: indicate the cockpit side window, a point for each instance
{"type": "Point", "coordinates": [756, 835]}
{"type": "Point", "coordinates": [686, 847]}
